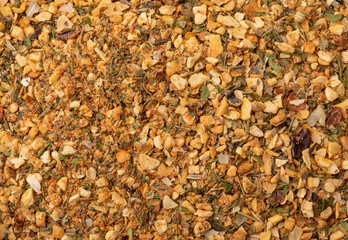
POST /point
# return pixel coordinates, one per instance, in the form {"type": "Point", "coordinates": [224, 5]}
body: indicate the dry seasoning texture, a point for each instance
{"type": "Point", "coordinates": [221, 119]}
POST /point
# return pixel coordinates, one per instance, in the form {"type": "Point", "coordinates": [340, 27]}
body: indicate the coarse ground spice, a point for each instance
{"type": "Point", "coordinates": [192, 119]}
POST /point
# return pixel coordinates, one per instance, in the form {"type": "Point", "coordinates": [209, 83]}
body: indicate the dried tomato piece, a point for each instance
{"type": "Point", "coordinates": [278, 91]}
{"type": "Point", "coordinates": [292, 107]}
{"type": "Point", "coordinates": [334, 116]}
{"type": "Point", "coordinates": [318, 92]}
{"type": "Point", "coordinates": [300, 143]}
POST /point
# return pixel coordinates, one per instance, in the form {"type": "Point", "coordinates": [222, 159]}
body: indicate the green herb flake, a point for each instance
{"type": "Point", "coordinates": [3, 89]}
{"type": "Point", "coordinates": [258, 158]}
{"type": "Point", "coordinates": [7, 153]}
{"type": "Point", "coordinates": [275, 67]}
{"type": "Point", "coordinates": [261, 56]}
{"type": "Point", "coordinates": [341, 75]}
{"type": "Point", "coordinates": [249, 153]}
{"type": "Point", "coordinates": [140, 72]}
{"type": "Point", "coordinates": [283, 211]}
{"type": "Point", "coordinates": [227, 187]}
{"type": "Point", "coordinates": [130, 233]}
{"type": "Point", "coordinates": [344, 225]}
{"type": "Point", "coordinates": [240, 219]}
{"type": "Point", "coordinates": [285, 190]}
{"type": "Point", "coordinates": [204, 92]}
{"type": "Point", "coordinates": [27, 42]}
{"type": "Point", "coordinates": [76, 160]}
{"type": "Point", "coordinates": [259, 13]}
{"type": "Point", "coordinates": [199, 28]}
{"type": "Point", "coordinates": [17, 4]}
{"type": "Point", "coordinates": [88, 21]}
{"type": "Point", "coordinates": [333, 17]}
{"type": "Point", "coordinates": [330, 201]}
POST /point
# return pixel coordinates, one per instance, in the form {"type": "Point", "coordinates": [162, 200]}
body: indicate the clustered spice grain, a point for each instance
{"type": "Point", "coordinates": [191, 119]}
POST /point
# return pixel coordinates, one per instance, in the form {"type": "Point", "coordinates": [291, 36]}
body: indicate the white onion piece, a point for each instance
{"type": "Point", "coordinates": [317, 115]}
{"type": "Point", "coordinates": [338, 199]}
{"type": "Point", "coordinates": [157, 54]}
{"type": "Point", "coordinates": [166, 181]}
{"type": "Point", "coordinates": [32, 9]}
{"type": "Point", "coordinates": [88, 144]}
{"type": "Point", "coordinates": [223, 158]}
{"type": "Point", "coordinates": [69, 7]}
{"type": "Point", "coordinates": [77, 53]}
{"type": "Point", "coordinates": [211, 233]}
{"type": "Point", "coordinates": [34, 181]}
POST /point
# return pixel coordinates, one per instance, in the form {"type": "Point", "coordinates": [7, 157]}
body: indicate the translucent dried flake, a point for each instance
{"type": "Point", "coordinates": [68, 150]}
{"type": "Point", "coordinates": [34, 181]}
{"type": "Point", "coordinates": [147, 163]}
{"type": "Point", "coordinates": [32, 9]}
{"type": "Point", "coordinates": [25, 81]}
{"type": "Point", "coordinates": [168, 203]}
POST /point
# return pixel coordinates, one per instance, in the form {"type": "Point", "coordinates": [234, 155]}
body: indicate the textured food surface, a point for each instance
{"type": "Point", "coordinates": [173, 119]}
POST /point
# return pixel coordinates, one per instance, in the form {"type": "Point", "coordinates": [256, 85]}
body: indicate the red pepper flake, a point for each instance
{"type": "Point", "coordinates": [318, 92]}
{"type": "Point", "coordinates": [278, 91]}
{"type": "Point", "coordinates": [292, 107]}
{"type": "Point", "coordinates": [334, 116]}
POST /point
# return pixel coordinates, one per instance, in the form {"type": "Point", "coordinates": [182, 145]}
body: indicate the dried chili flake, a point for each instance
{"type": "Point", "coordinates": [278, 91]}
{"type": "Point", "coordinates": [293, 107]}
{"type": "Point", "coordinates": [300, 143]}
{"type": "Point", "coordinates": [334, 116]}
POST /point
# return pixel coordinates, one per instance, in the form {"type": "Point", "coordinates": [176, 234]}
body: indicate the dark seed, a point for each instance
{"type": "Point", "coordinates": [230, 96]}
{"type": "Point", "coordinates": [315, 197]}
{"type": "Point", "coordinates": [186, 148]}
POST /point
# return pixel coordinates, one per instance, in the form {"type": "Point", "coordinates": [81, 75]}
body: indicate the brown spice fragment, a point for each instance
{"type": "Point", "coordinates": [341, 41]}
{"type": "Point", "coordinates": [280, 196]}
{"type": "Point", "coordinates": [334, 116]}
{"type": "Point", "coordinates": [69, 35]}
